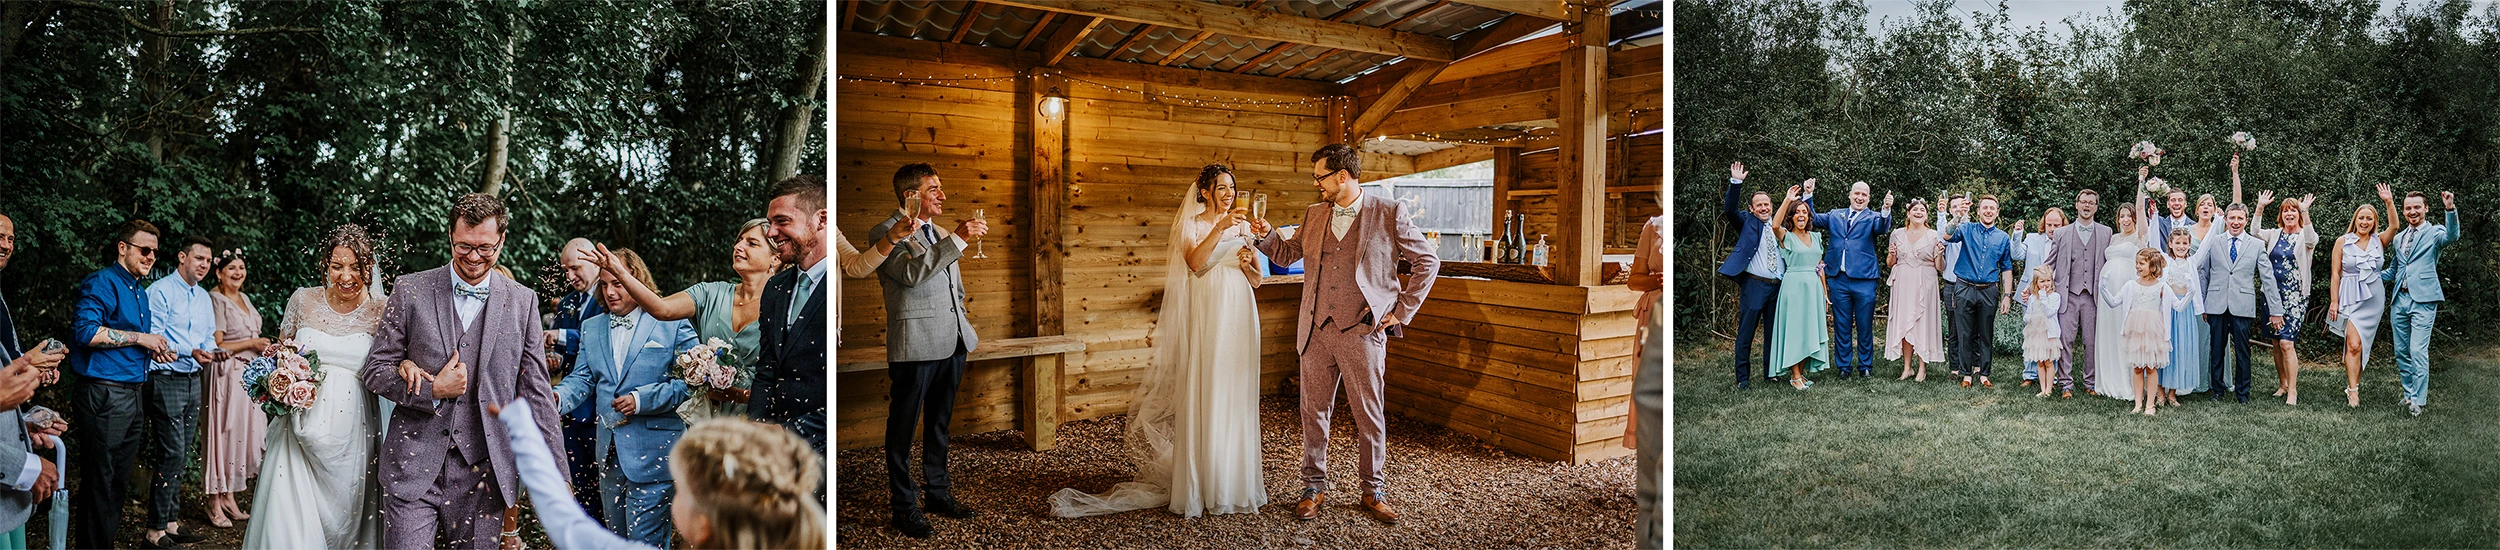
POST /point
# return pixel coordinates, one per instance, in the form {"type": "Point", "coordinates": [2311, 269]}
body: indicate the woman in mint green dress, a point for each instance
{"type": "Point", "coordinates": [1800, 333]}
{"type": "Point", "coordinates": [720, 309]}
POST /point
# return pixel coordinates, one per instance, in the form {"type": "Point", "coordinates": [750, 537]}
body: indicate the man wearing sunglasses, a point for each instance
{"type": "Point", "coordinates": [111, 348]}
{"type": "Point", "coordinates": [1352, 302]}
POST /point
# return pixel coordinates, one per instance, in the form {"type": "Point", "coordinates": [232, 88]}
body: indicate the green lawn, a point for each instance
{"type": "Point", "coordinates": [1881, 463]}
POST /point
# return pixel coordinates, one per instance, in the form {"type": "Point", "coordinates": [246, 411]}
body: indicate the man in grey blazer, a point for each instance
{"type": "Point", "coordinates": [27, 476]}
{"type": "Point", "coordinates": [2074, 262]}
{"type": "Point", "coordinates": [2413, 264]}
{"type": "Point", "coordinates": [927, 336]}
{"type": "Point", "coordinates": [446, 469]}
{"type": "Point", "coordinates": [2234, 269]}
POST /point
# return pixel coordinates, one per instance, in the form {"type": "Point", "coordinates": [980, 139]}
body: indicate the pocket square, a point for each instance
{"type": "Point", "coordinates": [649, 345]}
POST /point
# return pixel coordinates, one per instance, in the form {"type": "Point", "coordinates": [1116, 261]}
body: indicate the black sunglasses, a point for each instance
{"type": "Point", "coordinates": [145, 250]}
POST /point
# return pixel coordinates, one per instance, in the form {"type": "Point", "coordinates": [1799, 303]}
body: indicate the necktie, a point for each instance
{"type": "Point", "coordinates": [2235, 248]}
{"type": "Point", "coordinates": [929, 231]}
{"type": "Point", "coordinates": [466, 290]}
{"type": "Point", "coordinates": [1342, 210]}
{"type": "Point", "coordinates": [798, 300]}
{"type": "Point", "coordinates": [621, 322]}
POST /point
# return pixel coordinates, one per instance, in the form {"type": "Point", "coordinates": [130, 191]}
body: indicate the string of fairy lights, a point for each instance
{"type": "Point", "coordinates": [1154, 96]}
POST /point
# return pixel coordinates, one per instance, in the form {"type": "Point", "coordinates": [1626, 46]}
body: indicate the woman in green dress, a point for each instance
{"type": "Point", "coordinates": [720, 309]}
{"type": "Point", "coordinates": [1800, 334]}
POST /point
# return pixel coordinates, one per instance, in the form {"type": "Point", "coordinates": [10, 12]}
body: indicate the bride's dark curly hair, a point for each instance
{"type": "Point", "coordinates": [1206, 181]}
{"type": "Point", "coordinates": [358, 243]}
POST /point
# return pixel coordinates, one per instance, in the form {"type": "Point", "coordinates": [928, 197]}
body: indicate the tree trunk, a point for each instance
{"type": "Point", "coordinates": [499, 135]}
{"type": "Point", "coordinates": [792, 138]}
{"type": "Point", "coordinates": [157, 53]}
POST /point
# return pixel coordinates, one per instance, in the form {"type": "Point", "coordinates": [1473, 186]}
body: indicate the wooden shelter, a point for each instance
{"type": "Point", "coordinates": [1076, 126]}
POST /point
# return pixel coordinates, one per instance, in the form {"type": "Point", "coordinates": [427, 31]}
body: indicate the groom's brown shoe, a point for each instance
{"type": "Point", "coordinates": [1308, 508]}
{"type": "Point", "coordinates": [1379, 508]}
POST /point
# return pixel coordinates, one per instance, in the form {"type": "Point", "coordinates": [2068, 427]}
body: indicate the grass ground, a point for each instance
{"type": "Point", "coordinates": [1887, 463]}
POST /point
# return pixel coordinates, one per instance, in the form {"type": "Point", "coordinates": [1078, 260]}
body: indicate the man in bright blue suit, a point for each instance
{"type": "Point", "coordinates": [1854, 269]}
{"type": "Point", "coordinates": [1754, 267]}
{"type": "Point", "coordinates": [2413, 265]}
{"type": "Point", "coordinates": [626, 362]}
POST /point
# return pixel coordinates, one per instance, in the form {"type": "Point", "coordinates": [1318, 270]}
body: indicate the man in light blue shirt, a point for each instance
{"type": "Point", "coordinates": [1986, 264]}
{"type": "Point", "coordinates": [180, 311]}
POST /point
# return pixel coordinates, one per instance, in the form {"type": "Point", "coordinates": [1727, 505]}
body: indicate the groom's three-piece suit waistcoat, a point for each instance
{"type": "Point", "coordinates": [1351, 280]}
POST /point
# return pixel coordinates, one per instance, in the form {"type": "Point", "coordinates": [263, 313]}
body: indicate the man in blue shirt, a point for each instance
{"type": "Point", "coordinates": [179, 310]}
{"type": "Point", "coordinates": [111, 347]}
{"type": "Point", "coordinates": [1985, 265]}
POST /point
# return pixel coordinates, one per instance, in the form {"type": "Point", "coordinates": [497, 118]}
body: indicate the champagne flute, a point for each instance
{"type": "Point", "coordinates": [984, 216]}
{"type": "Point", "coordinates": [1258, 206]}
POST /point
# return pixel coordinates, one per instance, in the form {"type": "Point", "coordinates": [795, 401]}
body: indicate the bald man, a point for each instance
{"type": "Point", "coordinates": [564, 346]}
{"type": "Point", "coordinates": [1854, 268]}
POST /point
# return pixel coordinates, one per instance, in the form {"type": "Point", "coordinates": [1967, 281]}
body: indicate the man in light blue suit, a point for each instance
{"type": "Point", "coordinates": [626, 364]}
{"type": "Point", "coordinates": [1854, 269]}
{"type": "Point", "coordinates": [2413, 265]}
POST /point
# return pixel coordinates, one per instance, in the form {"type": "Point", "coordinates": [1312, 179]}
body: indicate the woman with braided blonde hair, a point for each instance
{"type": "Point", "coordinates": [740, 484]}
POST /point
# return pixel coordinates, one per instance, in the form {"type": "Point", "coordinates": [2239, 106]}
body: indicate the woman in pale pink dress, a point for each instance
{"type": "Point", "coordinates": [234, 424]}
{"type": "Point", "coordinates": [1915, 334]}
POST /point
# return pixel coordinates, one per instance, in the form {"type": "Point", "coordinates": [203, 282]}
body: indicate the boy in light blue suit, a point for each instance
{"type": "Point", "coordinates": [2413, 265]}
{"type": "Point", "coordinates": [627, 360]}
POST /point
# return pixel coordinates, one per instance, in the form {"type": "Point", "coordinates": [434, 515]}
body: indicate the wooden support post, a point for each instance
{"type": "Point", "coordinates": [1340, 119]}
{"type": "Point", "coordinates": [1038, 412]}
{"type": "Point", "coordinates": [1580, 201]}
{"type": "Point", "coordinates": [1046, 104]}
{"type": "Point", "coordinates": [1505, 179]}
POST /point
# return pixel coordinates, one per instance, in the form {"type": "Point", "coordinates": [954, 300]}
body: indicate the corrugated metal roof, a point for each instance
{"type": "Point", "coordinates": [997, 26]}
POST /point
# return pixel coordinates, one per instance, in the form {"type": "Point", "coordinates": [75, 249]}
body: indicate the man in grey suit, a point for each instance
{"type": "Point", "coordinates": [926, 339]}
{"type": "Point", "coordinates": [2074, 262]}
{"type": "Point", "coordinates": [26, 476]}
{"type": "Point", "coordinates": [2233, 270]}
{"type": "Point", "coordinates": [445, 469]}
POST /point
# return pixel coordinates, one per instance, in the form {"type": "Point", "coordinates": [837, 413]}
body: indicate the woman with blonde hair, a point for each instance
{"type": "Point", "coordinates": [2355, 294]}
{"type": "Point", "coordinates": [740, 484]}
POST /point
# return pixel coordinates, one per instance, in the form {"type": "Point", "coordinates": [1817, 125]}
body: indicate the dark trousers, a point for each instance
{"type": "Point", "coordinates": [581, 439]}
{"type": "Point", "coordinates": [1951, 293]}
{"type": "Point", "coordinates": [173, 410]}
{"type": "Point", "coordinates": [1853, 323]}
{"type": "Point", "coordinates": [1756, 297]}
{"type": "Point", "coordinates": [923, 393]}
{"type": "Point", "coordinates": [2233, 331]}
{"type": "Point", "coordinates": [1975, 309]}
{"type": "Point", "coordinates": [106, 433]}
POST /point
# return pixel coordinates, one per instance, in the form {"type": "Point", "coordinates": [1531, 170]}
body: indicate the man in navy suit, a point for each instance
{"type": "Point", "coordinates": [1754, 267]}
{"type": "Point", "coordinates": [1854, 270]}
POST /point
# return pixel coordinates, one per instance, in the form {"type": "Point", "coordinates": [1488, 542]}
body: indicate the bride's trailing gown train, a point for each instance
{"type": "Point", "coordinates": [316, 487]}
{"type": "Point", "coordinates": [1193, 431]}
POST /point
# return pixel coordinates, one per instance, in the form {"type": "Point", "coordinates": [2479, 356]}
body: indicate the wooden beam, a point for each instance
{"type": "Point", "coordinates": [1271, 53]}
{"type": "Point", "coordinates": [892, 52]}
{"type": "Point", "coordinates": [1339, 107]}
{"type": "Point", "coordinates": [1185, 47]}
{"type": "Point", "coordinates": [1581, 202]}
{"type": "Point", "coordinates": [1059, 46]}
{"type": "Point", "coordinates": [1255, 24]}
{"type": "Point", "coordinates": [850, 12]}
{"type": "Point", "coordinates": [1511, 28]}
{"type": "Point", "coordinates": [1039, 29]}
{"type": "Point", "coordinates": [1550, 10]}
{"type": "Point", "coordinates": [1379, 109]}
{"type": "Point", "coordinates": [1117, 49]}
{"type": "Point", "coordinates": [1505, 180]}
{"type": "Point", "coordinates": [971, 13]}
{"type": "Point", "coordinates": [1048, 170]}
{"type": "Point", "coordinates": [1453, 156]}
{"type": "Point", "coordinates": [1038, 413]}
{"type": "Point", "coordinates": [1492, 111]}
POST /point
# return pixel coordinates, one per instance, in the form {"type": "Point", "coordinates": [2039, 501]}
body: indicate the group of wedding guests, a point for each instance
{"type": "Point", "coordinates": [437, 403]}
{"type": "Point", "coordinates": [2141, 311]}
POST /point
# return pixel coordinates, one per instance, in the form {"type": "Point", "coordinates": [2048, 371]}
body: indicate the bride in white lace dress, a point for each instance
{"type": "Point", "coordinates": [1193, 429]}
{"type": "Point", "coordinates": [317, 488]}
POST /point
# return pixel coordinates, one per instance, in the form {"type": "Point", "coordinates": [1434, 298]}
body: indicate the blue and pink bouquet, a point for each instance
{"type": "Point", "coordinates": [284, 379]}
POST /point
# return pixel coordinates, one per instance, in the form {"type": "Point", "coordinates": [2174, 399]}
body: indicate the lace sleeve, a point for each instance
{"type": "Point", "coordinates": [293, 317]}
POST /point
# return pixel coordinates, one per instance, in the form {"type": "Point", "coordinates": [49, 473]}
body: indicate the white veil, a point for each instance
{"type": "Point", "coordinates": [1152, 407]}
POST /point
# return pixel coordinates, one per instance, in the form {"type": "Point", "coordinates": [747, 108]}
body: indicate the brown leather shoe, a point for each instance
{"type": "Point", "coordinates": [1308, 508]}
{"type": "Point", "coordinates": [1380, 509]}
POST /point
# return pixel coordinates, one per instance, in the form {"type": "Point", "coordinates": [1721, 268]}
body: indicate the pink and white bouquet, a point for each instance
{"type": "Point", "coordinates": [286, 378]}
{"type": "Point", "coordinates": [708, 366]}
{"type": "Point", "coordinates": [2244, 141]}
{"type": "Point", "coordinates": [2145, 151]}
{"type": "Point", "coordinates": [2156, 186]}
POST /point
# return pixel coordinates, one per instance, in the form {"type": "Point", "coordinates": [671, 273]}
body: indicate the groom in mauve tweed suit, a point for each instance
{"type": "Point", "coordinates": [1352, 302]}
{"type": "Point", "coordinates": [446, 470]}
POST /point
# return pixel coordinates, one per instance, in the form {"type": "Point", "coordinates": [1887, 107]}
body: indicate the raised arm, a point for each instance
{"type": "Point", "coordinates": [1735, 188]}
{"type": "Point", "coordinates": [2387, 219]}
{"type": "Point", "coordinates": [1282, 251]}
{"type": "Point", "coordinates": [670, 308]}
{"type": "Point", "coordinates": [2235, 178]}
{"type": "Point", "coordinates": [912, 265]}
{"type": "Point", "coordinates": [2450, 201]}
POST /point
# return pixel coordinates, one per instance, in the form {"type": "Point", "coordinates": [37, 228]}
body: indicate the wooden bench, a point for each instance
{"type": "Point", "coordinates": [1037, 396]}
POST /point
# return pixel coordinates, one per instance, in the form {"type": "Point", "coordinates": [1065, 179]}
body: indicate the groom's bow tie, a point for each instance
{"type": "Point", "coordinates": [1343, 210]}
{"type": "Point", "coordinates": [466, 290]}
{"type": "Point", "coordinates": [621, 322]}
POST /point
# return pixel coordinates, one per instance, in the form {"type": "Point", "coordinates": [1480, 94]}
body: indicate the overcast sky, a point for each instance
{"type": "Point", "coordinates": [2028, 13]}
